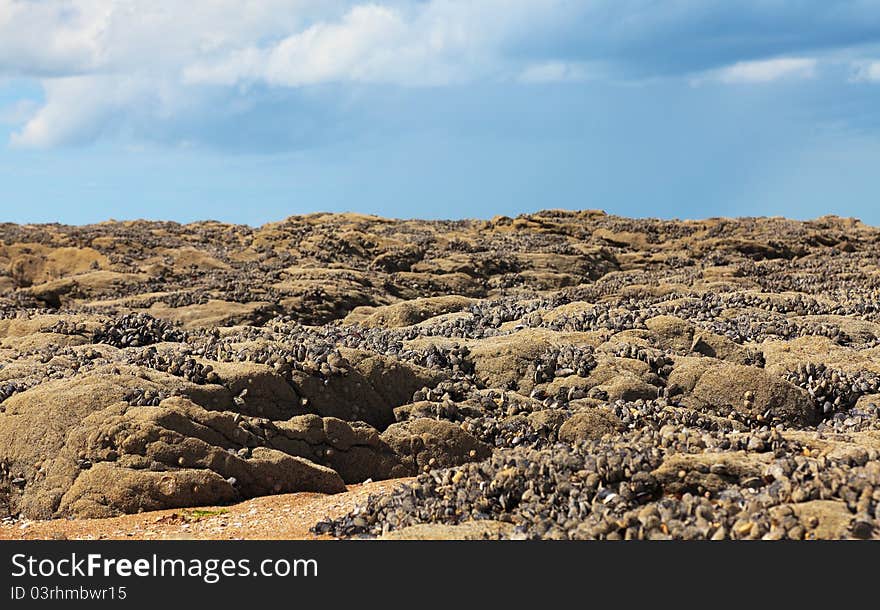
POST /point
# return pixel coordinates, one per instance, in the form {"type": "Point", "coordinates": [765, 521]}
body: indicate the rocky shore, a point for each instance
{"type": "Point", "coordinates": [555, 375]}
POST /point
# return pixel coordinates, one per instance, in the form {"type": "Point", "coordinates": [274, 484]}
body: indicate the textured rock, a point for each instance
{"type": "Point", "coordinates": [258, 390]}
{"type": "Point", "coordinates": [105, 490]}
{"type": "Point", "coordinates": [407, 313]}
{"type": "Point", "coordinates": [572, 374]}
{"type": "Point", "coordinates": [590, 424]}
{"type": "Point", "coordinates": [753, 392]}
{"type": "Point", "coordinates": [426, 443]}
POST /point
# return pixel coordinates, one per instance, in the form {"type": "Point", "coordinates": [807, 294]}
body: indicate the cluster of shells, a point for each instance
{"type": "Point", "coordinates": [135, 330]}
{"type": "Point", "coordinates": [833, 390]}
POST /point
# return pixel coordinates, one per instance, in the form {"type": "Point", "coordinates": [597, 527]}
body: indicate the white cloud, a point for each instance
{"type": "Point", "coordinates": [767, 70]}
{"type": "Point", "coordinates": [554, 72]}
{"type": "Point", "coordinates": [17, 112]}
{"type": "Point", "coordinates": [431, 43]}
{"type": "Point", "coordinates": [117, 66]}
{"type": "Point", "coordinates": [866, 71]}
{"type": "Point", "coordinates": [79, 108]}
{"type": "Point", "coordinates": [100, 59]}
{"type": "Point", "coordinates": [68, 37]}
{"type": "Point", "coordinates": [367, 44]}
{"type": "Point", "coordinates": [46, 38]}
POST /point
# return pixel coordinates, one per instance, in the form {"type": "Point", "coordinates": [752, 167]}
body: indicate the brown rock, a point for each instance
{"type": "Point", "coordinates": [432, 443]}
{"type": "Point", "coordinates": [590, 424]}
{"type": "Point", "coordinates": [723, 386]}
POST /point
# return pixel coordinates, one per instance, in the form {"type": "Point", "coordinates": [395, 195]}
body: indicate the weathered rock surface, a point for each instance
{"type": "Point", "coordinates": [590, 424]}
{"type": "Point", "coordinates": [559, 374]}
{"type": "Point", "coordinates": [424, 444]}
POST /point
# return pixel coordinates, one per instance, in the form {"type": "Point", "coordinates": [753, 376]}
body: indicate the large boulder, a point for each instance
{"type": "Point", "coordinates": [353, 449]}
{"type": "Point", "coordinates": [37, 422]}
{"type": "Point", "coordinates": [751, 391]}
{"type": "Point", "coordinates": [258, 390]}
{"type": "Point", "coordinates": [214, 313]}
{"type": "Point", "coordinates": [428, 443]}
{"type": "Point", "coordinates": [63, 439]}
{"type": "Point", "coordinates": [683, 337]}
{"type": "Point", "coordinates": [590, 424]}
{"type": "Point", "coordinates": [105, 490]}
{"type": "Point", "coordinates": [407, 313]}
{"type": "Point", "coordinates": [509, 361]}
{"type": "Point", "coordinates": [369, 391]}
{"type": "Point", "coordinates": [173, 437]}
{"type": "Point", "coordinates": [701, 473]}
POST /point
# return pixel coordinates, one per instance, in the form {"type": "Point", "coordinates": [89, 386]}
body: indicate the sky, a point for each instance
{"type": "Point", "coordinates": [249, 111]}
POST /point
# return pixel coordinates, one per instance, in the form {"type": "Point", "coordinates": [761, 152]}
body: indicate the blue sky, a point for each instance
{"type": "Point", "coordinates": [251, 111]}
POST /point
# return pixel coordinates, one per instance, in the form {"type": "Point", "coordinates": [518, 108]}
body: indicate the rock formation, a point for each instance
{"type": "Point", "coordinates": [559, 374]}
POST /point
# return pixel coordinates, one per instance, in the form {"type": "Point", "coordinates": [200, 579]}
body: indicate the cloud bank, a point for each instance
{"type": "Point", "coordinates": [769, 70]}
{"type": "Point", "coordinates": [143, 68]}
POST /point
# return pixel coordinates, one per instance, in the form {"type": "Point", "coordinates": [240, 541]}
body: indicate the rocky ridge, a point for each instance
{"type": "Point", "coordinates": [559, 374]}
